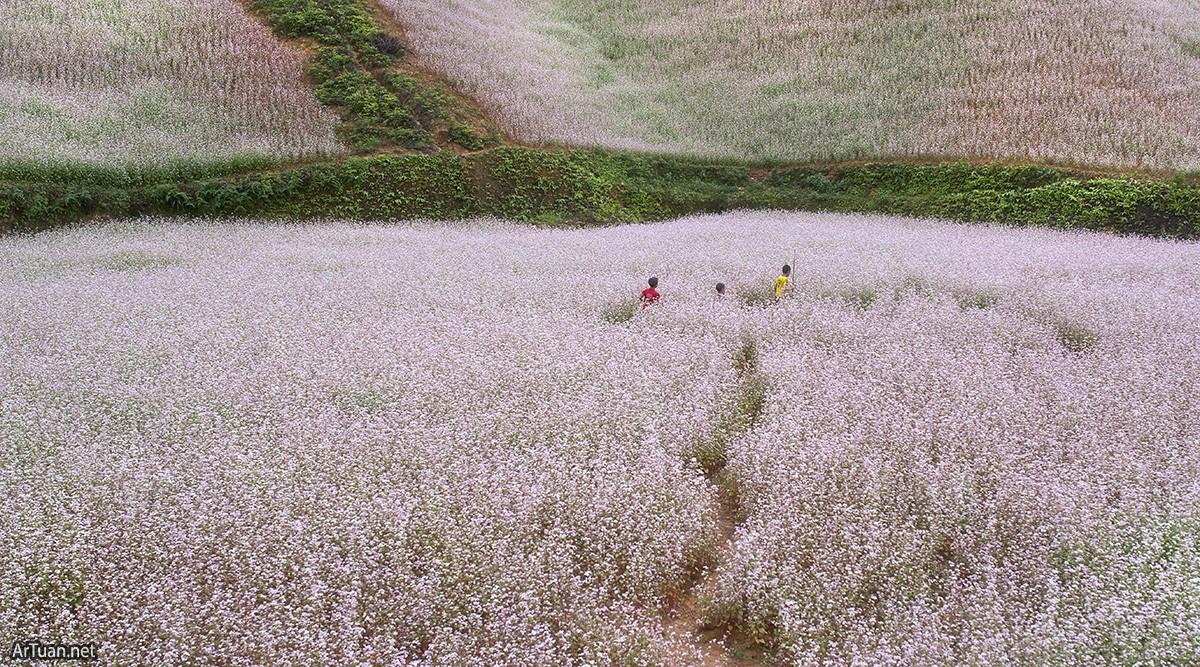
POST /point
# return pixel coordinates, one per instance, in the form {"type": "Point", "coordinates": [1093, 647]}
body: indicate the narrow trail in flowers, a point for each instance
{"type": "Point", "coordinates": [720, 644]}
{"type": "Point", "coordinates": [717, 645]}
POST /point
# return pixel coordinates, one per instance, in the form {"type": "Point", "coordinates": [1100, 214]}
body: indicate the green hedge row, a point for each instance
{"type": "Point", "coordinates": [125, 177]}
{"type": "Point", "coordinates": [409, 186]}
{"type": "Point", "coordinates": [597, 187]}
{"type": "Point", "coordinates": [1112, 204]}
{"type": "Point", "coordinates": [1038, 196]}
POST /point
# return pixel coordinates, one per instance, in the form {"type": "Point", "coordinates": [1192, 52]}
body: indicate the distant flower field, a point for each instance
{"type": "Point", "coordinates": [1093, 82]}
{"type": "Point", "coordinates": [464, 444]}
{"type": "Point", "coordinates": [148, 83]}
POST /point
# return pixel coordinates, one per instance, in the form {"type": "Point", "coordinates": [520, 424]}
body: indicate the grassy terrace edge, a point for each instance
{"type": "Point", "coordinates": [583, 187]}
{"type": "Point", "coordinates": [426, 151]}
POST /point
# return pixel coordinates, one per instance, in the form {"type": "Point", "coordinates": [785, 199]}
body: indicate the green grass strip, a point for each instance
{"type": "Point", "coordinates": [597, 187]}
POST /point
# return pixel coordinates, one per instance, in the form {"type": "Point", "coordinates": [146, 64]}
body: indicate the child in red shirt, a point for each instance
{"type": "Point", "coordinates": [650, 294]}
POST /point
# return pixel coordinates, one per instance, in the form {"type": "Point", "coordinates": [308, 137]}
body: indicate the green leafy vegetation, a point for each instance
{"type": "Point", "coordinates": [435, 105]}
{"type": "Point", "coordinates": [1037, 196]}
{"type": "Point", "coordinates": [619, 312]}
{"type": "Point", "coordinates": [742, 414]}
{"type": "Point", "coordinates": [1074, 337]}
{"type": "Point", "coordinates": [374, 116]}
{"type": "Point", "coordinates": [133, 260]}
{"type": "Point", "coordinates": [597, 187]}
{"type": "Point", "coordinates": [976, 300]}
{"type": "Point", "coordinates": [860, 298]}
{"type": "Point", "coordinates": [354, 72]}
{"type": "Point", "coordinates": [338, 23]}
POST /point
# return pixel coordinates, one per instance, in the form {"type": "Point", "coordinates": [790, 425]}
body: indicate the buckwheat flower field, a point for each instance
{"type": "Point", "coordinates": [150, 82]}
{"type": "Point", "coordinates": [465, 444]}
{"type": "Point", "coordinates": [1098, 82]}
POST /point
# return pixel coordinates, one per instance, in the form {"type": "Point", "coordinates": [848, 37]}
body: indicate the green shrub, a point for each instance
{"type": "Point", "coordinates": [372, 115]}
{"type": "Point", "coordinates": [1075, 338]}
{"type": "Point", "coordinates": [466, 137]}
{"type": "Point", "coordinates": [860, 298]}
{"type": "Point", "coordinates": [758, 296]}
{"type": "Point", "coordinates": [745, 357]}
{"type": "Point", "coordinates": [344, 23]}
{"type": "Point", "coordinates": [425, 100]}
{"type": "Point", "coordinates": [352, 47]}
{"type": "Point", "coordinates": [523, 183]}
{"type": "Point", "coordinates": [388, 45]}
{"type": "Point", "coordinates": [619, 312]}
{"type": "Point", "coordinates": [976, 299]}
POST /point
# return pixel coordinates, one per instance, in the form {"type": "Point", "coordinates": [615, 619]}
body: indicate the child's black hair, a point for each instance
{"type": "Point", "coordinates": [653, 282]}
{"type": "Point", "coordinates": [720, 288]}
{"type": "Point", "coordinates": [787, 269]}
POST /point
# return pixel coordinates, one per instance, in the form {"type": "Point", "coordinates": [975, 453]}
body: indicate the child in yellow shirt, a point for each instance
{"type": "Point", "coordinates": [783, 282]}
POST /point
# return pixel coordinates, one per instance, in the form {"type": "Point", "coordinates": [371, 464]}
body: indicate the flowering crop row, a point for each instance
{"type": "Point", "coordinates": [150, 82]}
{"type": "Point", "coordinates": [1109, 82]}
{"type": "Point", "coordinates": [457, 445]}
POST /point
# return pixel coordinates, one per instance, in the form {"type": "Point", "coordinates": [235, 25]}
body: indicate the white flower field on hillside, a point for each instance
{"type": "Point", "coordinates": [1008, 475]}
{"type": "Point", "coordinates": [1094, 82]}
{"type": "Point", "coordinates": [150, 82]}
{"type": "Point", "coordinates": [464, 444]}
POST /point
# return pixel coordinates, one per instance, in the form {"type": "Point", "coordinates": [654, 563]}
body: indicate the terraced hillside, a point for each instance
{"type": "Point", "coordinates": [151, 82]}
{"type": "Point", "coordinates": [1091, 82]}
{"type": "Point", "coordinates": [129, 107]}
